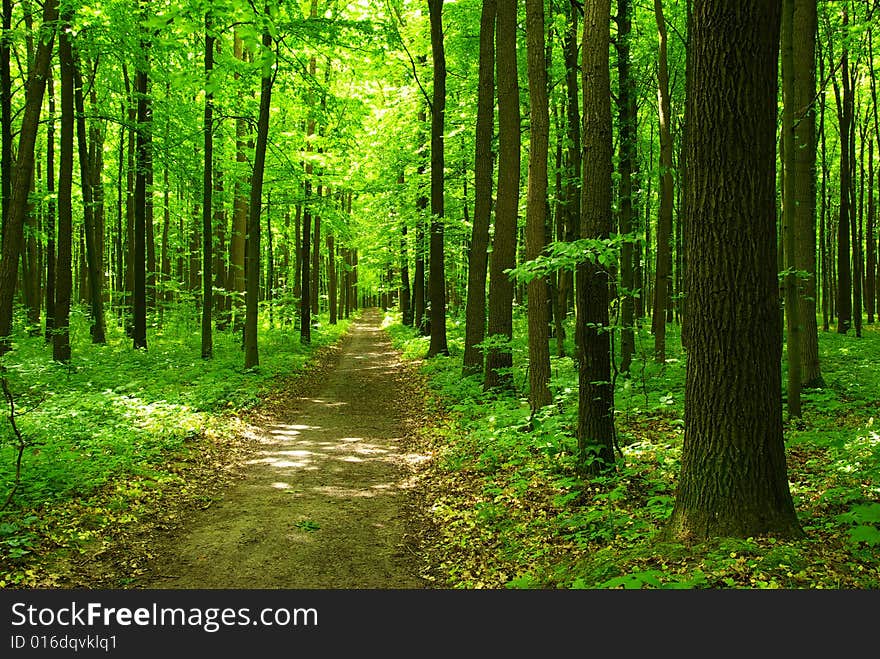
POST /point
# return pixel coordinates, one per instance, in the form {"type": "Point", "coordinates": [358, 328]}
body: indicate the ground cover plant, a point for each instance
{"type": "Point", "coordinates": [511, 510]}
{"type": "Point", "coordinates": [117, 434]}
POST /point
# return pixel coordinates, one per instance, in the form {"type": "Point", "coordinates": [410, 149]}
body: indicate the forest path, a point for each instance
{"type": "Point", "coordinates": [324, 500]}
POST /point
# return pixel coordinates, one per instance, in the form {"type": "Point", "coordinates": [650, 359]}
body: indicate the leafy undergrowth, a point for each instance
{"type": "Point", "coordinates": [509, 510]}
{"type": "Point", "coordinates": [123, 442]}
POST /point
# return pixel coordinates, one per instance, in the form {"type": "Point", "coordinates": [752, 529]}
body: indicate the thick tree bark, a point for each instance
{"type": "Point", "coordinates": [437, 269]}
{"type": "Point", "coordinates": [23, 172]}
{"type": "Point", "coordinates": [664, 218]}
{"type": "Point", "coordinates": [595, 428]}
{"type": "Point", "coordinates": [536, 200]}
{"type": "Point", "coordinates": [208, 196]}
{"type": "Point", "coordinates": [733, 479]}
{"type": "Point", "coordinates": [478, 257]}
{"type": "Point", "coordinates": [499, 359]}
{"type": "Point", "coordinates": [251, 355]}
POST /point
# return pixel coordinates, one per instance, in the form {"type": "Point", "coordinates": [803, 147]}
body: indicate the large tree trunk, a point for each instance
{"type": "Point", "coordinates": [536, 200]}
{"type": "Point", "coordinates": [23, 172]}
{"type": "Point", "coordinates": [664, 218]}
{"type": "Point", "coordinates": [503, 257]}
{"type": "Point", "coordinates": [478, 258]}
{"type": "Point", "coordinates": [5, 117]}
{"type": "Point", "coordinates": [595, 428]}
{"type": "Point", "coordinates": [251, 356]}
{"type": "Point", "coordinates": [437, 272]}
{"type": "Point", "coordinates": [733, 478]}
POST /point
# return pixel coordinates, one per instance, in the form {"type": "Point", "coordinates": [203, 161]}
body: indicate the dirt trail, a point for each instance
{"type": "Point", "coordinates": [324, 502]}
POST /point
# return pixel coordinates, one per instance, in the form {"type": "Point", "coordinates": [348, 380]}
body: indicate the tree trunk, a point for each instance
{"type": "Point", "coordinates": [627, 117]}
{"type": "Point", "coordinates": [93, 256]}
{"type": "Point", "coordinates": [208, 196]}
{"type": "Point", "coordinates": [50, 211]}
{"type": "Point", "coordinates": [536, 213]}
{"type": "Point", "coordinates": [792, 298]}
{"type": "Point", "coordinates": [437, 273]}
{"type": "Point", "coordinates": [64, 264]}
{"type": "Point", "coordinates": [499, 359]}
{"type": "Point", "coordinates": [595, 428]}
{"type": "Point", "coordinates": [142, 147]}
{"type": "Point", "coordinates": [664, 218]}
{"type": "Point", "coordinates": [5, 117]}
{"type": "Point", "coordinates": [239, 208]}
{"type": "Point", "coordinates": [23, 172]}
{"type": "Point", "coordinates": [733, 479]}
{"type": "Point", "coordinates": [251, 356]}
{"type": "Point", "coordinates": [478, 258]}
{"type": "Point", "coordinates": [803, 162]}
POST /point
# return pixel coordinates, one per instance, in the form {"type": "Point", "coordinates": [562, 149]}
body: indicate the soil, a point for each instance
{"type": "Point", "coordinates": [328, 496]}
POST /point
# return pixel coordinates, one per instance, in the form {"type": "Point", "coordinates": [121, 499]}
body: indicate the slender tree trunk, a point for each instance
{"type": "Point", "coordinates": [93, 258]}
{"type": "Point", "coordinates": [664, 218]}
{"type": "Point", "coordinates": [142, 147]}
{"type": "Point", "coordinates": [733, 479]}
{"type": "Point", "coordinates": [23, 172]}
{"type": "Point", "coordinates": [792, 298]}
{"type": "Point", "coordinates": [845, 121]}
{"type": "Point", "coordinates": [50, 211]}
{"type": "Point", "coordinates": [64, 264]}
{"type": "Point", "coordinates": [499, 359]}
{"type": "Point", "coordinates": [251, 356]}
{"type": "Point", "coordinates": [5, 116]}
{"type": "Point", "coordinates": [239, 208]}
{"type": "Point", "coordinates": [478, 258]}
{"type": "Point", "coordinates": [595, 428]}
{"type": "Point", "coordinates": [419, 292]}
{"type": "Point", "coordinates": [406, 311]}
{"type": "Point", "coordinates": [539, 144]}
{"type": "Point", "coordinates": [627, 149]}
{"type": "Point", "coordinates": [207, 196]}
{"type": "Point", "coordinates": [803, 161]}
{"type": "Point", "coordinates": [437, 273]}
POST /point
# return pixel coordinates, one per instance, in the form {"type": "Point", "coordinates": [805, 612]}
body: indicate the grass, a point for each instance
{"type": "Point", "coordinates": [116, 430]}
{"type": "Point", "coordinates": [510, 510]}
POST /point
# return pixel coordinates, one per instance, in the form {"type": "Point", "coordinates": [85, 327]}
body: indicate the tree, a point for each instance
{"type": "Point", "coordinates": [803, 174]}
{"type": "Point", "coordinates": [207, 195]}
{"type": "Point", "coordinates": [627, 123]}
{"type": "Point", "coordinates": [595, 428]}
{"type": "Point", "coordinates": [502, 258]}
{"type": "Point", "coordinates": [733, 479]}
{"type": "Point", "coordinates": [539, 137]}
{"type": "Point", "coordinates": [475, 307]}
{"type": "Point", "coordinates": [142, 163]}
{"type": "Point", "coordinates": [64, 268]}
{"type": "Point", "coordinates": [792, 301]}
{"type": "Point", "coordinates": [251, 355]}
{"type": "Point", "coordinates": [664, 218]}
{"type": "Point", "coordinates": [23, 172]}
{"type": "Point", "coordinates": [437, 272]}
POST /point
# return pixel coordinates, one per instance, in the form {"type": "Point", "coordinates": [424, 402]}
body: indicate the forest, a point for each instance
{"type": "Point", "coordinates": [537, 294]}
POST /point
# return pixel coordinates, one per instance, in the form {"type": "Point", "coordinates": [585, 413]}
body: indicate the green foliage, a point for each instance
{"type": "Point", "coordinates": [115, 414]}
{"type": "Point", "coordinates": [513, 512]}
